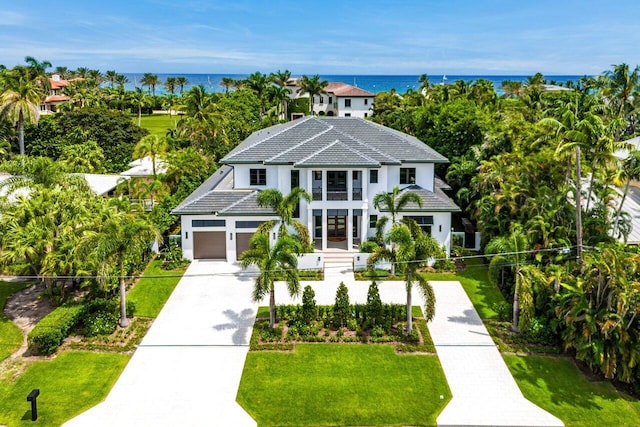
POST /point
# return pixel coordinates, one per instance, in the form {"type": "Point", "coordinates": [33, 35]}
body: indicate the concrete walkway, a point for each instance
{"type": "Point", "coordinates": [187, 369]}
{"type": "Point", "coordinates": [484, 391]}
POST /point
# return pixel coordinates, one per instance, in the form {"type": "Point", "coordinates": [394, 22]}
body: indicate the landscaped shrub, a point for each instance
{"type": "Point", "coordinates": [369, 246]}
{"type": "Point", "coordinates": [100, 317]}
{"type": "Point", "coordinates": [49, 333]}
{"type": "Point", "coordinates": [342, 308]}
{"type": "Point", "coordinates": [376, 274]}
{"type": "Point", "coordinates": [445, 265]}
{"type": "Point", "coordinates": [374, 309]}
{"type": "Point", "coordinates": [172, 256]}
{"type": "Point", "coordinates": [309, 311]}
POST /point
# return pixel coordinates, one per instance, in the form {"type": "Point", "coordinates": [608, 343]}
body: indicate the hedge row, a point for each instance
{"type": "Point", "coordinates": [49, 333]}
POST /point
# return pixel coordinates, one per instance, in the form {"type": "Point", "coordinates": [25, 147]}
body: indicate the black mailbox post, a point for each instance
{"type": "Point", "coordinates": [34, 406]}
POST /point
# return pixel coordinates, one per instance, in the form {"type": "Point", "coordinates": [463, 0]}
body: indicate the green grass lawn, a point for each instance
{"type": "Point", "coordinates": [476, 284]}
{"type": "Point", "coordinates": [332, 385]}
{"type": "Point", "coordinates": [10, 335]}
{"type": "Point", "coordinates": [557, 385]}
{"type": "Point", "coordinates": [69, 384]}
{"type": "Point", "coordinates": [157, 124]}
{"type": "Point", "coordinates": [152, 290]}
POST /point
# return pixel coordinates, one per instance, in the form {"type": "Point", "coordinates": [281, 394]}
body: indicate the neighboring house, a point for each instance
{"type": "Point", "coordinates": [140, 173]}
{"type": "Point", "coordinates": [342, 162]}
{"type": "Point", "coordinates": [103, 185]}
{"type": "Point", "coordinates": [341, 100]}
{"type": "Point", "coordinates": [56, 97]}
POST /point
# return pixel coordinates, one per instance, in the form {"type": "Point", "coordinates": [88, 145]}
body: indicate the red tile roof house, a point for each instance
{"type": "Point", "coordinates": [340, 100]}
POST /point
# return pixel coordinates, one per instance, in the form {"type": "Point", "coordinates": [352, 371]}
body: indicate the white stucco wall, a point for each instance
{"type": "Point", "coordinates": [358, 106]}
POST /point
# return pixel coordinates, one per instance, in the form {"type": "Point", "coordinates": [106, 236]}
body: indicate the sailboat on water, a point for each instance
{"type": "Point", "coordinates": [444, 80]}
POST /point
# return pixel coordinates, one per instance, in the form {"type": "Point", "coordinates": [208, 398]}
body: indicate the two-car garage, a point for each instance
{"type": "Point", "coordinates": [213, 244]}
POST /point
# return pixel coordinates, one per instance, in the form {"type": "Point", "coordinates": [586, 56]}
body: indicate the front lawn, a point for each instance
{"type": "Point", "coordinates": [10, 335]}
{"type": "Point", "coordinates": [342, 384]}
{"type": "Point", "coordinates": [476, 284]}
{"type": "Point", "coordinates": [69, 384]}
{"type": "Point", "coordinates": [154, 289]}
{"type": "Point", "coordinates": [556, 385]}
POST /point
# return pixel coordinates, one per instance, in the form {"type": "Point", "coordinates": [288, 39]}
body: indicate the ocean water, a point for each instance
{"type": "Point", "coordinates": [371, 83]}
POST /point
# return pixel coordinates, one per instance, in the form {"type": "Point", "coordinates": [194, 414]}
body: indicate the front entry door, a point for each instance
{"type": "Point", "coordinates": [336, 228]}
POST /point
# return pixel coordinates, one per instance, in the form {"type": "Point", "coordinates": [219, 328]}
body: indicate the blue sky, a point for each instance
{"type": "Point", "coordinates": [327, 37]}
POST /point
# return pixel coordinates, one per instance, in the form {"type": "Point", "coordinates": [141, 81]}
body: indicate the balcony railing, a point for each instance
{"type": "Point", "coordinates": [337, 195]}
{"type": "Point", "coordinates": [356, 193]}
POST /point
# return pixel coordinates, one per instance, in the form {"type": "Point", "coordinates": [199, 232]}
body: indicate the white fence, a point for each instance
{"type": "Point", "coordinates": [360, 262]}
{"type": "Point", "coordinates": [311, 261]}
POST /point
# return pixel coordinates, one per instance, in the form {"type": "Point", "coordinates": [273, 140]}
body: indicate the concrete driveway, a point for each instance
{"type": "Point", "coordinates": [187, 370]}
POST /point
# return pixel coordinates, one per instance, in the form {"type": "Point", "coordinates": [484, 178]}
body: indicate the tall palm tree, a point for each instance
{"type": "Point", "coordinates": [280, 96]}
{"type": "Point", "coordinates": [170, 85]}
{"type": "Point", "coordinates": [284, 207]}
{"type": "Point", "coordinates": [150, 80]}
{"type": "Point", "coordinates": [82, 72]}
{"type": "Point", "coordinates": [259, 84]}
{"type": "Point", "coordinates": [196, 103]}
{"type": "Point", "coordinates": [281, 78]}
{"type": "Point", "coordinates": [121, 80]}
{"type": "Point", "coordinates": [182, 82]}
{"type": "Point", "coordinates": [621, 86]}
{"type": "Point", "coordinates": [414, 249]}
{"type": "Point", "coordinates": [273, 262]}
{"type": "Point", "coordinates": [139, 99]}
{"type": "Point", "coordinates": [119, 237]}
{"type": "Point", "coordinates": [312, 86]}
{"type": "Point", "coordinates": [392, 203]}
{"type": "Point", "coordinates": [38, 71]}
{"type": "Point", "coordinates": [110, 76]}
{"type": "Point", "coordinates": [19, 100]}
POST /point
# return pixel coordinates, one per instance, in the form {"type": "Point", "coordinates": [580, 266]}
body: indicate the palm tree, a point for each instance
{"type": "Point", "coordinates": [392, 203]}
{"type": "Point", "coordinates": [414, 249]}
{"type": "Point", "coordinates": [182, 82]}
{"type": "Point", "coordinates": [110, 76]}
{"type": "Point", "coordinates": [281, 78]}
{"type": "Point", "coordinates": [82, 72]}
{"type": "Point", "coordinates": [259, 84]}
{"type": "Point", "coordinates": [170, 85]}
{"type": "Point", "coordinates": [226, 83]}
{"type": "Point", "coordinates": [511, 250]}
{"type": "Point", "coordinates": [313, 87]}
{"type": "Point", "coordinates": [280, 96]}
{"type": "Point", "coordinates": [139, 99]}
{"type": "Point", "coordinates": [621, 86]}
{"type": "Point", "coordinates": [38, 71]}
{"type": "Point", "coordinates": [121, 80]}
{"type": "Point", "coordinates": [119, 237]}
{"type": "Point", "coordinates": [153, 146]}
{"type": "Point", "coordinates": [196, 103]}
{"type": "Point", "coordinates": [20, 100]}
{"type": "Point", "coordinates": [62, 72]}
{"type": "Point", "coordinates": [274, 262]}
{"type": "Point", "coordinates": [424, 84]}
{"type": "Point", "coordinates": [284, 207]}
{"type": "Point", "coordinates": [150, 80]}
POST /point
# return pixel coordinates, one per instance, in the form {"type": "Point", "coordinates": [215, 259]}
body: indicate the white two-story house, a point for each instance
{"type": "Point", "coordinates": [342, 162]}
{"type": "Point", "coordinates": [339, 100]}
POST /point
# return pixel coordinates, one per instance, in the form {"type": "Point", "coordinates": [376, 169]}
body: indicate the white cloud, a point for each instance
{"type": "Point", "coordinates": [11, 19]}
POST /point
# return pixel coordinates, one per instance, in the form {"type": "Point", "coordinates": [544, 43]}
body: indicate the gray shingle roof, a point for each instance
{"type": "Point", "coordinates": [338, 154]}
{"type": "Point", "coordinates": [432, 201]}
{"type": "Point", "coordinates": [298, 141]}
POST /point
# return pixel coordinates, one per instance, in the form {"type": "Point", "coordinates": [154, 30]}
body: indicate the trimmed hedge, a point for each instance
{"type": "Point", "coordinates": [49, 333]}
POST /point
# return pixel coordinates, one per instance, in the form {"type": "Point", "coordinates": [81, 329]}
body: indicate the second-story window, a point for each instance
{"type": "Point", "coordinates": [295, 179]}
{"type": "Point", "coordinates": [258, 176]}
{"type": "Point", "coordinates": [407, 175]}
{"type": "Point", "coordinates": [347, 102]}
{"type": "Point", "coordinates": [366, 101]}
{"type": "Point", "coordinates": [373, 177]}
{"type": "Point", "coordinates": [321, 99]}
{"type": "Point", "coordinates": [330, 99]}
